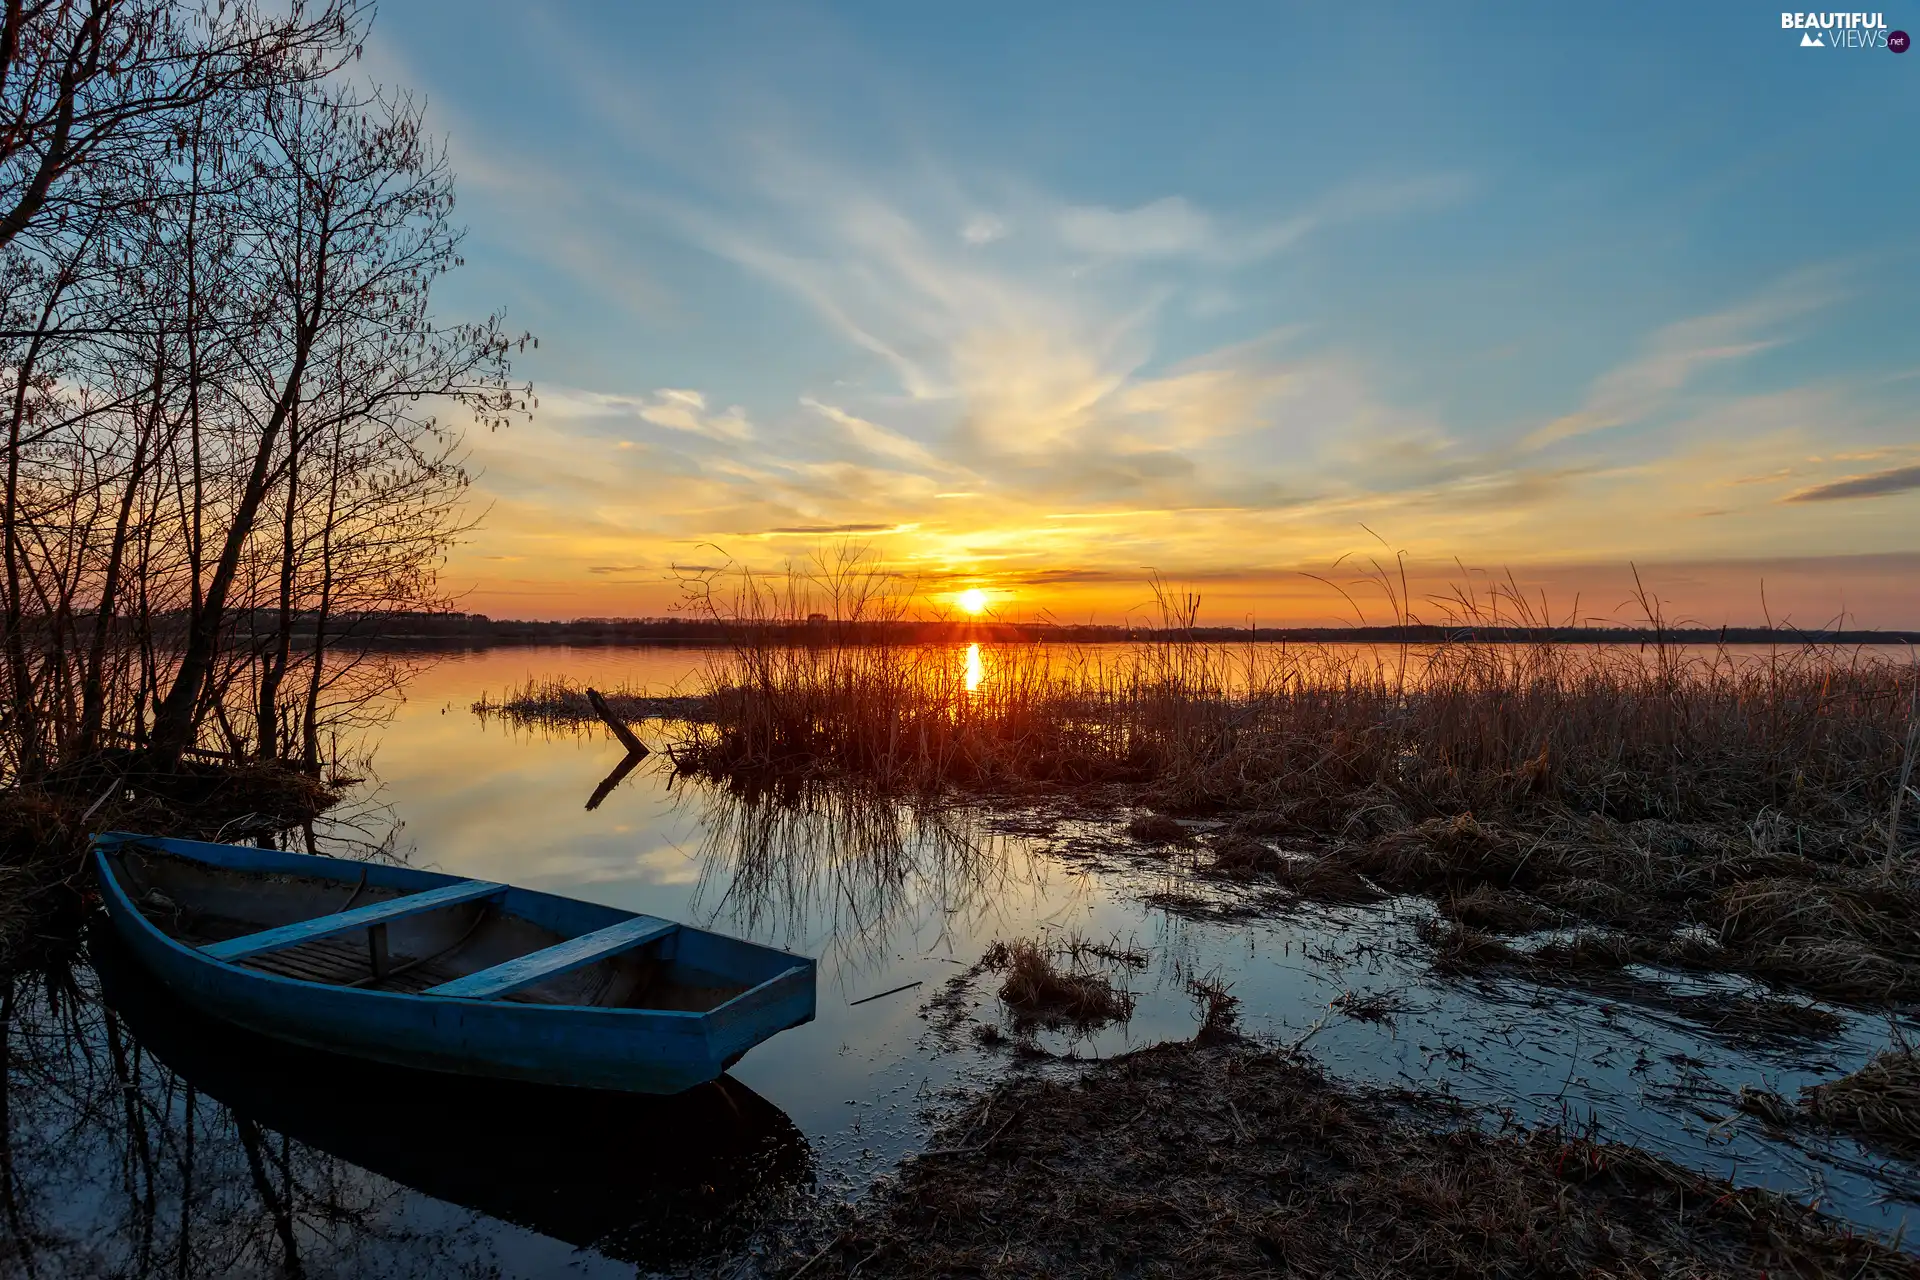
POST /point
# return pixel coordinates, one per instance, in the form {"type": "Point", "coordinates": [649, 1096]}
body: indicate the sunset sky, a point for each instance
{"type": "Point", "coordinates": [1038, 298]}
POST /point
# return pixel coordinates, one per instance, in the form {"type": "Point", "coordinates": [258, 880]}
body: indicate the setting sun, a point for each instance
{"type": "Point", "coordinates": [972, 600]}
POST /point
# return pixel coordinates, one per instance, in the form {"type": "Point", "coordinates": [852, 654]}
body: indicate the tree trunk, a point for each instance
{"type": "Point", "coordinates": [310, 730]}
{"type": "Point", "coordinates": [19, 669]}
{"type": "Point", "coordinates": [93, 693]}
{"type": "Point", "coordinates": [174, 725]}
{"type": "Point", "coordinates": [275, 668]}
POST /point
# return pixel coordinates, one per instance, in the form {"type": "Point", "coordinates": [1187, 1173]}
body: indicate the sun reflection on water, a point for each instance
{"type": "Point", "coordinates": [976, 671]}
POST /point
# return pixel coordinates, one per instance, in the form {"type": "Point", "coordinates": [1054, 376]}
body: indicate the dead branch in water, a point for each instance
{"type": "Point", "coordinates": [635, 747]}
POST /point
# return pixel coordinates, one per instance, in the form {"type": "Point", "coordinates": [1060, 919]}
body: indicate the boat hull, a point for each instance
{"type": "Point", "coordinates": [632, 1050]}
{"type": "Point", "coordinates": [652, 1181]}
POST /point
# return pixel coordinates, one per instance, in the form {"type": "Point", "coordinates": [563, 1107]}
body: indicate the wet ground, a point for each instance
{"type": "Point", "coordinates": [119, 1151]}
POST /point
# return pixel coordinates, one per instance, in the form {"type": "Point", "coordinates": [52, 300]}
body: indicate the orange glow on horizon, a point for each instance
{"type": "Point", "coordinates": [1876, 591]}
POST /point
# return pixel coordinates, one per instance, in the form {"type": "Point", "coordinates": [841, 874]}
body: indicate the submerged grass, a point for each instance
{"type": "Point", "coordinates": [1189, 1160]}
{"type": "Point", "coordinates": [560, 703]}
{"type": "Point", "coordinates": [1063, 985]}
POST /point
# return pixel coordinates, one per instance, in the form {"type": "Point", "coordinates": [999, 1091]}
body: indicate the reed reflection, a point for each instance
{"type": "Point", "coordinates": [832, 868]}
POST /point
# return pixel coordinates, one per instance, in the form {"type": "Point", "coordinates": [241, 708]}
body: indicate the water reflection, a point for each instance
{"type": "Point", "coordinates": [976, 670]}
{"type": "Point", "coordinates": [818, 864]}
{"type": "Point", "coordinates": [145, 1139]}
{"type": "Point", "coordinates": [615, 776]}
{"type": "Point", "coordinates": [887, 895]}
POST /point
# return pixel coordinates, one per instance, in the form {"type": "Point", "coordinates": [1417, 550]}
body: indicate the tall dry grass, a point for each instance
{"type": "Point", "coordinates": [1657, 730]}
{"type": "Point", "coordinates": [1746, 810]}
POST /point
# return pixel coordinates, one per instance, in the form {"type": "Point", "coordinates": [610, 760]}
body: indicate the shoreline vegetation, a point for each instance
{"type": "Point", "coordinates": [44, 881]}
{"type": "Point", "coordinates": [1567, 809]}
{"type": "Point", "coordinates": [559, 703]}
{"type": "Point", "coordinates": [1221, 1157]}
{"type": "Point", "coordinates": [1226, 1155]}
{"type": "Point", "coordinates": [1582, 808]}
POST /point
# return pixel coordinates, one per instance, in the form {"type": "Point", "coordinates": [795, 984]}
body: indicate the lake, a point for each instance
{"type": "Point", "coordinates": [121, 1148]}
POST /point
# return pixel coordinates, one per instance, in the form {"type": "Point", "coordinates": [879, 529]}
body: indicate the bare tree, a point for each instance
{"type": "Point", "coordinates": [353, 222]}
{"type": "Point", "coordinates": [219, 375]}
{"type": "Point", "coordinates": [93, 89]}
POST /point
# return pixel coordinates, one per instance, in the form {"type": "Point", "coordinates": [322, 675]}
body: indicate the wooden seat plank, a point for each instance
{"type": "Point", "coordinates": [550, 962]}
{"type": "Point", "coordinates": [289, 935]}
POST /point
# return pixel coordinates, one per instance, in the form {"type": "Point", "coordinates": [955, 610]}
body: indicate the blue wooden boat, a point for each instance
{"type": "Point", "coordinates": [658, 1182]}
{"type": "Point", "coordinates": [437, 972]}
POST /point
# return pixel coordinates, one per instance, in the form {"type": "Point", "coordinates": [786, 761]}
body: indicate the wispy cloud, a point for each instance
{"type": "Point", "coordinates": [1876, 485]}
{"type": "Point", "coordinates": [879, 441]}
{"type": "Point", "coordinates": [671, 408]}
{"type": "Point", "coordinates": [836, 528]}
{"type": "Point", "coordinates": [1053, 386]}
{"type": "Point", "coordinates": [1165, 228]}
{"type": "Point", "coordinates": [687, 411]}
{"type": "Point", "coordinates": [1679, 353]}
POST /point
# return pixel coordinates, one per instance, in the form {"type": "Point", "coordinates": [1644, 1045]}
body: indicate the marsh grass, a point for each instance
{"type": "Point", "coordinates": [1758, 799]}
{"type": "Point", "coordinates": [1215, 1006]}
{"type": "Point", "coordinates": [1485, 906]}
{"type": "Point", "coordinates": [1762, 799]}
{"type": "Point", "coordinates": [1216, 1159]}
{"type": "Point", "coordinates": [1156, 829]}
{"type": "Point", "coordinates": [1062, 984]}
{"type": "Point", "coordinates": [1323, 740]}
{"type": "Point", "coordinates": [1880, 1101]}
{"type": "Point", "coordinates": [559, 703]}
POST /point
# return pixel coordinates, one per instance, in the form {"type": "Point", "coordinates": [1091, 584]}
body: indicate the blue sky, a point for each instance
{"type": "Point", "coordinates": [1037, 297]}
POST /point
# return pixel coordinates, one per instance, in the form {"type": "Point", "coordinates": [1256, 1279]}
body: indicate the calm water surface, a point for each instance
{"type": "Point", "coordinates": [136, 1131]}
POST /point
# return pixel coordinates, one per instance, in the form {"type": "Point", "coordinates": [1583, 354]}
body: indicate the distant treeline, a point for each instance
{"type": "Point", "coordinates": [399, 630]}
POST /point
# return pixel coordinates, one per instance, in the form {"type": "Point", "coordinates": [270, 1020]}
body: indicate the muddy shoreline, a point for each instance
{"type": "Point", "coordinates": [1576, 899]}
{"type": "Point", "coordinates": [1228, 1156]}
{"type": "Point", "coordinates": [1223, 1157]}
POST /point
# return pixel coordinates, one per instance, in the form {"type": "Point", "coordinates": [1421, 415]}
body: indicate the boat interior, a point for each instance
{"type": "Point", "coordinates": [460, 939]}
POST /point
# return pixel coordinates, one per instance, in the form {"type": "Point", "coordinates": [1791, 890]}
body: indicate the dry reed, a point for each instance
{"type": "Point", "coordinates": [1189, 1160]}
{"type": "Point", "coordinates": [561, 703]}
{"type": "Point", "coordinates": [1217, 1008]}
{"type": "Point", "coordinates": [1157, 828]}
{"type": "Point", "coordinates": [1486, 906]}
{"type": "Point", "coordinates": [1643, 789]}
{"type": "Point", "coordinates": [1038, 991]}
{"type": "Point", "coordinates": [1323, 741]}
{"type": "Point", "coordinates": [1880, 1101]}
{"type": "Point", "coordinates": [1459, 948]}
